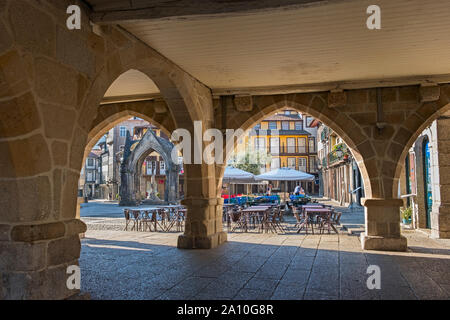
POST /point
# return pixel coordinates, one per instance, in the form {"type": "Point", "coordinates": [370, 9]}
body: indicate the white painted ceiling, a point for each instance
{"type": "Point", "coordinates": [315, 44]}
{"type": "Point", "coordinates": [132, 82]}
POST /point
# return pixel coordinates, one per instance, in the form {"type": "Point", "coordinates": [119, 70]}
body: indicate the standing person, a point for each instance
{"type": "Point", "coordinates": [269, 189]}
{"type": "Point", "coordinates": [297, 190]}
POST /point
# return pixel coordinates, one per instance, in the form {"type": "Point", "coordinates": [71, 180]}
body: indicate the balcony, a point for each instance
{"type": "Point", "coordinates": [339, 154]}
{"type": "Point", "coordinates": [324, 134]}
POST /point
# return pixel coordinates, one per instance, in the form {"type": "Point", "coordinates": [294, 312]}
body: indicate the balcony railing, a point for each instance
{"type": "Point", "coordinates": [295, 149]}
{"type": "Point", "coordinates": [340, 153]}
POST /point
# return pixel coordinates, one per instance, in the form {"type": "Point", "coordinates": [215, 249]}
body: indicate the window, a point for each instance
{"type": "Point", "coordinates": [257, 127]}
{"type": "Point", "coordinates": [313, 164]}
{"type": "Point", "coordinates": [312, 145]}
{"type": "Point", "coordinates": [90, 162]}
{"type": "Point", "coordinates": [89, 176]}
{"type": "Point", "coordinates": [274, 145]}
{"type": "Point", "coordinates": [275, 163]}
{"type": "Point", "coordinates": [301, 145]}
{"type": "Point", "coordinates": [309, 120]}
{"type": "Point", "coordinates": [123, 131]}
{"type": "Point", "coordinates": [149, 168]}
{"type": "Point", "coordinates": [287, 112]}
{"type": "Point", "coordinates": [302, 164]}
{"type": "Point", "coordinates": [285, 125]}
{"type": "Point", "coordinates": [162, 167]}
{"type": "Point", "coordinates": [260, 144]}
{"type": "Point", "coordinates": [290, 145]}
{"type": "Point", "coordinates": [273, 125]}
{"type": "Point", "coordinates": [291, 163]}
{"type": "Point", "coordinates": [298, 125]}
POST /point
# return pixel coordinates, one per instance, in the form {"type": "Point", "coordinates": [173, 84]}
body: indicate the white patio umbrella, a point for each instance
{"type": "Point", "coordinates": [285, 174]}
{"type": "Point", "coordinates": [234, 175]}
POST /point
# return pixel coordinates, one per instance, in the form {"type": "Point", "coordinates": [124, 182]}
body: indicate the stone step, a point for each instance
{"type": "Point", "coordinates": [353, 228]}
{"type": "Point", "coordinates": [355, 231]}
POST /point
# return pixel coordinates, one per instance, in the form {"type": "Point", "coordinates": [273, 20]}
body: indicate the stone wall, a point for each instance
{"type": "Point", "coordinates": [52, 81]}
{"type": "Point", "coordinates": [440, 215]}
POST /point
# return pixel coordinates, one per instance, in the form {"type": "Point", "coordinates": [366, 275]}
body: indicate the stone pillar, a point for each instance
{"type": "Point", "coordinates": [440, 215]}
{"type": "Point", "coordinates": [171, 184]}
{"type": "Point", "coordinates": [203, 228]}
{"type": "Point", "coordinates": [382, 225]}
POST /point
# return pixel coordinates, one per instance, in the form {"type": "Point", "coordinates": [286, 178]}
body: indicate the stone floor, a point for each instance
{"type": "Point", "coordinates": [143, 265]}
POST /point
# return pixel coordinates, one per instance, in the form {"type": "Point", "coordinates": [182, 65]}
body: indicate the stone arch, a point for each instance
{"type": "Point", "coordinates": [422, 116]}
{"type": "Point", "coordinates": [132, 164]}
{"type": "Point", "coordinates": [315, 105]}
{"type": "Point", "coordinates": [110, 115]}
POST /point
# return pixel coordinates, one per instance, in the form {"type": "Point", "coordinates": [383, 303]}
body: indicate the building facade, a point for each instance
{"type": "Point", "coordinates": [288, 140]}
{"type": "Point", "coordinates": [423, 183]}
{"type": "Point", "coordinates": [100, 177]}
{"type": "Point", "coordinates": [90, 175]}
{"type": "Point", "coordinates": [339, 175]}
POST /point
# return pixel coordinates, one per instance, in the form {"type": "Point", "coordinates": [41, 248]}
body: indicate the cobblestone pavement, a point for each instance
{"type": "Point", "coordinates": [144, 265]}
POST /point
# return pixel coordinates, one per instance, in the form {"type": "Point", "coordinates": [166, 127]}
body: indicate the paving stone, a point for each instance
{"type": "Point", "coordinates": [251, 294]}
{"type": "Point", "coordinates": [137, 265]}
{"type": "Point", "coordinates": [271, 271]}
{"type": "Point", "coordinates": [288, 292]}
{"type": "Point", "coordinates": [262, 284]}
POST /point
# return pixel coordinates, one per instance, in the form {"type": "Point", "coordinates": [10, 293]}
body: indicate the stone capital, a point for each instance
{"type": "Point", "coordinates": [377, 202]}
{"type": "Point", "coordinates": [337, 98]}
{"type": "Point", "coordinates": [429, 93]}
{"type": "Point", "coordinates": [243, 102]}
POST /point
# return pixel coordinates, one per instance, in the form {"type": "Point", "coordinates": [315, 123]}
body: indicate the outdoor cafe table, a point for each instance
{"type": "Point", "coordinates": [310, 213]}
{"type": "Point", "coordinates": [254, 212]}
{"type": "Point", "coordinates": [165, 224]}
{"type": "Point", "coordinates": [312, 206]}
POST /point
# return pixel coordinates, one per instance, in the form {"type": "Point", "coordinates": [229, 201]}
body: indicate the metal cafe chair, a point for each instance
{"type": "Point", "coordinates": [126, 212]}
{"type": "Point", "coordinates": [136, 216]}
{"type": "Point", "coordinates": [146, 221]}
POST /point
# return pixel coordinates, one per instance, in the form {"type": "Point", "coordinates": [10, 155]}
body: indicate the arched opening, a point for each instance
{"type": "Point", "coordinates": [427, 153]}
{"type": "Point", "coordinates": [358, 173]}
{"type": "Point", "coordinates": [291, 137]}
{"type": "Point", "coordinates": [127, 122]}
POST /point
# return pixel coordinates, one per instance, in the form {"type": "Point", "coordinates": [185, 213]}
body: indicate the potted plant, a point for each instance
{"type": "Point", "coordinates": [406, 215]}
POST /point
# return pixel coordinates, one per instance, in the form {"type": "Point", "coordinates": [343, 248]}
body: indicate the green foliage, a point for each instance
{"type": "Point", "coordinates": [406, 213]}
{"type": "Point", "coordinates": [250, 161]}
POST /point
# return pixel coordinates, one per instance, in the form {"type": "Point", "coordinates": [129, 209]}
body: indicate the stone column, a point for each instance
{"type": "Point", "coordinates": [440, 215]}
{"type": "Point", "coordinates": [171, 184]}
{"type": "Point", "coordinates": [203, 228]}
{"type": "Point", "coordinates": [382, 225]}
